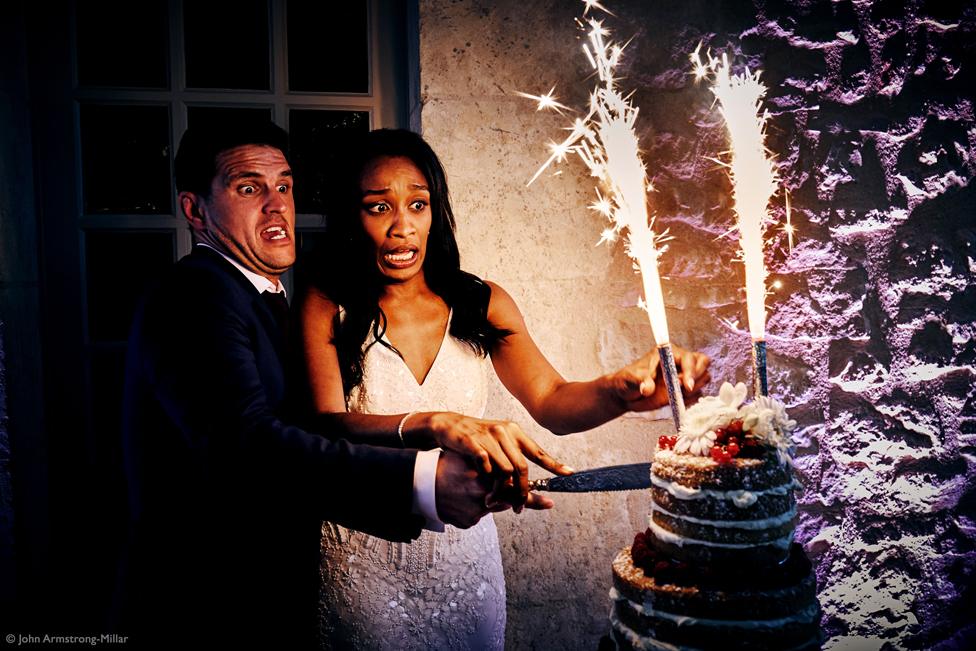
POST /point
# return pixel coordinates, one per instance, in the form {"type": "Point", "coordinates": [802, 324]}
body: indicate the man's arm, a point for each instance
{"type": "Point", "coordinates": [200, 355]}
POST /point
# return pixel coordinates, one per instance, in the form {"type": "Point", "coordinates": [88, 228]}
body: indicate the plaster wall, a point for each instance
{"type": "Point", "coordinates": [870, 332]}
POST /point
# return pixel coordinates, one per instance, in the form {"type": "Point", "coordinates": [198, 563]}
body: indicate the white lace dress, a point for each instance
{"type": "Point", "coordinates": [442, 591]}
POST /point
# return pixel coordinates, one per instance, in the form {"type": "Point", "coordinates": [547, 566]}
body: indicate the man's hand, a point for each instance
{"type": "Point", "coordinates": [640, 386]}
{"type": "Point", "coordinates": [464, 495]}
{"type": "Point", "coordinates": [460, 491]}
{"type": "Point", "coordinates": [499, 448]}
{"type": "Point", "coordinates": [505, 494]}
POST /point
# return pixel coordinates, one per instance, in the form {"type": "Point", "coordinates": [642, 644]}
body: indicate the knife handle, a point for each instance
{"type": "Point", "coordinates": [539, 484]}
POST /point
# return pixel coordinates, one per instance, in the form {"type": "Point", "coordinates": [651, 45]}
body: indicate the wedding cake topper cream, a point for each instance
{"type": "Point", "coordinates": [724, 428]}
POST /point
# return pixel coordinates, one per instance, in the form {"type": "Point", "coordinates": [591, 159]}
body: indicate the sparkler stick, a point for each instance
{"type": "Point", "coordinates": [754, 181]}
{"type": "Point", "coordinates": [607, 144]}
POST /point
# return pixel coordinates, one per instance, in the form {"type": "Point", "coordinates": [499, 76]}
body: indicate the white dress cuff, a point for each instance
{"type": "Point", "coordinates": [425, 488]}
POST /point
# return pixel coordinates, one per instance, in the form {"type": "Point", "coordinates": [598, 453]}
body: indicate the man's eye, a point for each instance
{"type": "Point", "coordinates": [284, 188]}
{"type": "Point", "coordinates": [247, 189]}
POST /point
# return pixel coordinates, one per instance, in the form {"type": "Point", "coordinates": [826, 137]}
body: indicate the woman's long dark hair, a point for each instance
{"type": "Point", "coordinates": [345, 270]}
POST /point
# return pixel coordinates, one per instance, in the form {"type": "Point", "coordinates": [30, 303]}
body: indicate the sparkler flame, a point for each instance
{"type": "Point", "coordinates": [607, 144]}
{"type": "Point", "coordinates": [751, 169]}
{"type": "Point", "coordinates": [754, 182]}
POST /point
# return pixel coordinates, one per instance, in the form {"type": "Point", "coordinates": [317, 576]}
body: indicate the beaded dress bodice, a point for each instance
{"type": "Point", "coordinates": [444, 590]}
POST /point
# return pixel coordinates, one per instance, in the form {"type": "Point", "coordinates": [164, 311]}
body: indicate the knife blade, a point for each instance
{"type": "Point", "coordinates": [628, 477]}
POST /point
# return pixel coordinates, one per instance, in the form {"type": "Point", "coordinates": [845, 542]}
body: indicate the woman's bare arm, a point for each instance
{"type": "Point", "coordinates": [563, 407]}
{"type": "Point", "coordinates": [495, 445]}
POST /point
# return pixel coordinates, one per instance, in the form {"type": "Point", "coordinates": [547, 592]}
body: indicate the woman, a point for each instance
{"type": "Point", "coordinates": [392, 324]}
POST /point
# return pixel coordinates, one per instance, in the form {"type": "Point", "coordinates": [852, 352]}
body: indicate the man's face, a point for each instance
{"type": "Point", "coordinates": [250, 213]}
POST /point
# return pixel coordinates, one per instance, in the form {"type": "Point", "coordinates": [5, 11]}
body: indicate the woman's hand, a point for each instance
{"type": "Point", "coordinates": [505, 495]}
{"type": "Point", "coordinates": [499, 448]}
{"type": "Point", "coordinates": [640, 386]}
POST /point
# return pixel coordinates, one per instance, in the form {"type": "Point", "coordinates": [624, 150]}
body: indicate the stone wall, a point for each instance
{"type": "Point", "coordinates": [870, 330]}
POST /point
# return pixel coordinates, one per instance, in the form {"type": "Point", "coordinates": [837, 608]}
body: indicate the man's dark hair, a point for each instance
{"type": "Point", "coordinates": [196, 159]}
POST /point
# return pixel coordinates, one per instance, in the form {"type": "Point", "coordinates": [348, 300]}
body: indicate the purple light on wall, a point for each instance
{"type": "Point", "coordinates": [870, 335]}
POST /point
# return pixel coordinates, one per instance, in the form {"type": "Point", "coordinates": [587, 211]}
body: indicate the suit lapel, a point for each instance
{"type": "Point", "coordinates": [208, 257]}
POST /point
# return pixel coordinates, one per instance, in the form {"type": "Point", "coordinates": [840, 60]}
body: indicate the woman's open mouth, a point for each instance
{"type": "Point", "coordinates": [401, 258]}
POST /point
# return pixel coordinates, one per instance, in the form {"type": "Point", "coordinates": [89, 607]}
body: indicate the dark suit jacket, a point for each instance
{"type": "Point", "coordinates": [226, 499]}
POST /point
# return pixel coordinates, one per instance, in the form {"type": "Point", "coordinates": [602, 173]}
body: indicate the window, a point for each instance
{"type": "Point", "coordinates": [313, 67]}
{"type": "Point", "coordinates": [121, 82]}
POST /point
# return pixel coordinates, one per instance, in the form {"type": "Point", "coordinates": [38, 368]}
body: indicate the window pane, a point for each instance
{"type": "Point", "coordinates": [317, 137]}
{"type": "Point", "coordinates": [207, 115]}
{"type": "Point", "coordinates": [227, 44]}
{"type": "Point", "coordinates": [328, 46]}
{"type": "Point", "coordinates": [123, 43]}
{"type": "Point", "coordinates": [311, 240]}
{"type": "Point", "coordinates": [120, 265]}
{"type": "Point", "coordinates": [125, 159]}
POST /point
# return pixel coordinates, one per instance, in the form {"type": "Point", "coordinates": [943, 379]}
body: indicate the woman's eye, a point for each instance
{"type": "Point", "coordinates": [377, 208]}
{"type": "Point", "coordinates": [419, 205]}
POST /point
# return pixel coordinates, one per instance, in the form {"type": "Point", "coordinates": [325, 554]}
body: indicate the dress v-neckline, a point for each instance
{"type": "Point", "coordinates": [420, 384]}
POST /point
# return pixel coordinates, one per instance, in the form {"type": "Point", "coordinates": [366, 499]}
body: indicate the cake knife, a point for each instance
{"type": "Point", "coordinates": [632, 476]}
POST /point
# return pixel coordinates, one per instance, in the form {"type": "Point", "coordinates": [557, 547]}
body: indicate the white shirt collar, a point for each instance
{"type": "Point", "coordinates": [260, 283]}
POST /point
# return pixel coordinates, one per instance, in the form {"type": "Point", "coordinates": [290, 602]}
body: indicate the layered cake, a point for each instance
{"type": "Point", "coordinates": [717, 566]}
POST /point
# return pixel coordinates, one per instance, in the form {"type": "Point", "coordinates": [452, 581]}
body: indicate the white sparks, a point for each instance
{"type": "Point", "coordinates": [609, 236]}
{"type": "Point", "coordinates": [547, 101]}
{"type": "Point", "coordinates": [602, 205]}
{"type": "Point", "coordinates": [752, 171]}
{"type": "Point", "coordinates": [559, 150]}
{"type": "Point", "coordinates": [594, 4]}
{"type": "Point", "coordinates": [606, 142]}
{"type": "Point", "coordinates": [788, 226]}
{"type": "Point", "coordinates": [700, 70]}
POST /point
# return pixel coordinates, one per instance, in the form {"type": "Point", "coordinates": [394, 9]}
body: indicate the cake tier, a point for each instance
{"type": "Point", "coordinates": [708, 512]}
{"type": "Point", "coordinates": [773, 610]}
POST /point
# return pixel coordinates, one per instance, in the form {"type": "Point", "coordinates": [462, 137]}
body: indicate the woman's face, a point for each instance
{"type": "Point", "coordinates": [395, 214]}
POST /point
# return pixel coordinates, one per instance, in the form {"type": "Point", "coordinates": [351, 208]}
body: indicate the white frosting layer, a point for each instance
{"type": "Point", "coordinates": [646, 642]}
{"type": "Point", "coordinates": [680, 541]}
{"type": "Point", "coordinates": [642, 641]}
{"type": "Point", "coordinates": [752, 525]}
{"type": "Point", "coordinates": [741, 498]}
{"type": "Point", "coordinates": [806, 615]}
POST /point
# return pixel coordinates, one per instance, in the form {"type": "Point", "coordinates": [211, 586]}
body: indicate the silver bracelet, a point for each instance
{"type": "Point", "coordinates": [403, 420]}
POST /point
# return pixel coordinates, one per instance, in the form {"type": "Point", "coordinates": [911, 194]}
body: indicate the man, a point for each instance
{"type": "Point", "coordinates": [226, 498]}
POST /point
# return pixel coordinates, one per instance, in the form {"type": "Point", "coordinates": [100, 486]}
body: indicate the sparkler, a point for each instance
{"type": "Point", "coordinates": [607, 144]}
{"type": "Point", "coordinates": [754, 181]}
